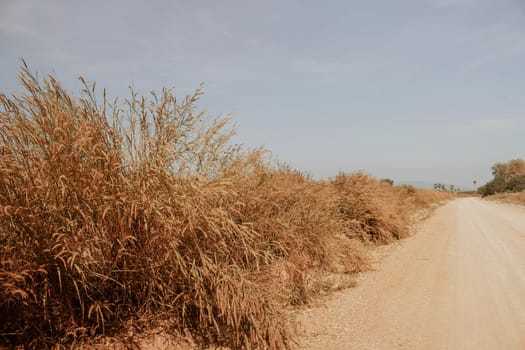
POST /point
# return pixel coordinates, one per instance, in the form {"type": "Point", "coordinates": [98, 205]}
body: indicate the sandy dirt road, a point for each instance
{"type": "Point", "coordinates": [459, 283]}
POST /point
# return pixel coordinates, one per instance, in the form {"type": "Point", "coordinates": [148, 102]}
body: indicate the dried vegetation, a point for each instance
{"type": "Point", "coordinates": [144, 213]}
{"type": "Point", "coordinates": [511, 198]}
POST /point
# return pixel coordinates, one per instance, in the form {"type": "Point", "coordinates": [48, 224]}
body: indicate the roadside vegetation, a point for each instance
{"type": "Point", "coordinates": [145, 215]}
{"type": "Point", "coordinates": [508, 177]}
{"type": "Point", "coordinates": [511, 198]}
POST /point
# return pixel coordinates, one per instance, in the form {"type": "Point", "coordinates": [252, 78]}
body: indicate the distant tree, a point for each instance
{"type": "Point", "coordinates": [440, 187]}
{"type": "Point", "coordinates": [496, 185]}
{"type": "Point", "coordinates": [516, 184]}
{"type": "Point", "coordinates": [507, 176]}
{"type": "Point", "coordinates": [499, 169]}
{"type": "Point", "coordinates": [508, 170]}
{"type": "Point", "coordinates": [482, 190]}
{"type": "Point", "coordinates": [515, 167]}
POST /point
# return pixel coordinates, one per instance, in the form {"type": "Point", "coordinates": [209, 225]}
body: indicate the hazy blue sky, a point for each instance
{"type": "Point", "coordinates": [430, 90]}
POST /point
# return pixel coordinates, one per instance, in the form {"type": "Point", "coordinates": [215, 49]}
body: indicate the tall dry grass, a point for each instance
{"type": "Point", "coordinates": [145, 213]}
{"type": "Point", "coordinates": [374, 209]}
{"type": "Point", "coordinates": [424, 198]}
{"type": "Point", "coordinates": [298, 222]}
{"type": "Point", "coordinates": [113, 215]}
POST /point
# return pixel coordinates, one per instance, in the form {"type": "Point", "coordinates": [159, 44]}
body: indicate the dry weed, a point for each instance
{"type": "Point", "coordinates": [146, 214]}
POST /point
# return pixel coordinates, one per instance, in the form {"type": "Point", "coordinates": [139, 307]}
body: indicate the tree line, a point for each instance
{"type": "Point", "coordinates": [443, 187]}
{"type": "Point", "coordinates": [507, 177]}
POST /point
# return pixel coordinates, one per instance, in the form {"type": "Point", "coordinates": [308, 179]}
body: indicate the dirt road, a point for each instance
{"type": "Point", "coordinates": [458, 284]}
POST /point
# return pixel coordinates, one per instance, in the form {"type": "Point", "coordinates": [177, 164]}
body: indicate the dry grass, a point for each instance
{"type": "Point", "coordinates": [144, 214]}
{"type": "Point", "coordinates": [425, 198]}
{"type": "Point", "coordinates": [299, 223]}
{"type": "Point", "coordinates": [108, 217]}
{"type": "Point", "coordinates": [512, 198]}
{"type": "Point", "coordinates": [373, 209]}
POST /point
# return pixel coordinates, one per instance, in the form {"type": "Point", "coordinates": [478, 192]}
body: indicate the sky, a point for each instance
{"type": "Point", "coordinates": [412, 90]}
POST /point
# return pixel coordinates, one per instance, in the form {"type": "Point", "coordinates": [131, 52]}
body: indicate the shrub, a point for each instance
{"type": "Point", "coordinates": [516, 184]}
{"type": "Point", "coordinates": [496, 185]}
{"type": "Point", "coordinates": [297, 220]}
{"type": "Point", "coordinates": [107, 216]}
{"type": "Point", "coordinates": [374, 210]}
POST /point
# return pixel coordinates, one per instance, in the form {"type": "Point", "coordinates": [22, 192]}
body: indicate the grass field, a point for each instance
{"type": "Point", "coordinates": [144, 215]}
{"type": "Point", "coordinates": [512, 198]}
